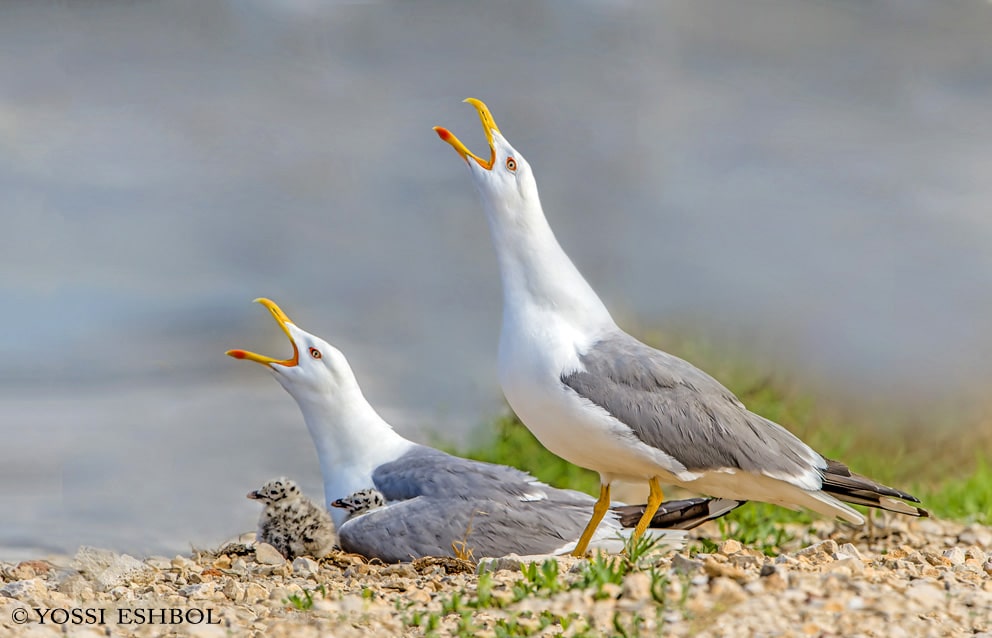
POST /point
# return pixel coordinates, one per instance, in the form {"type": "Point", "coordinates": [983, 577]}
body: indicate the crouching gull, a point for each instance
{"type": "Point", "coordinates": [599, 398]}
{"type": "Point", "coordinates": [434, 499]}
{"type": "Point", "coordinates": [291, 522]}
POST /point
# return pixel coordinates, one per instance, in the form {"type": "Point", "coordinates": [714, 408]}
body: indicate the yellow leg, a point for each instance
{"type": "Point", "coordinates": [598, 512]}
{"type": "Point", "coordinates": [654, 502]}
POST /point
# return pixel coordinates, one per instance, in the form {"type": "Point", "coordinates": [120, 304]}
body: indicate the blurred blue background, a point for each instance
{"type": "Point", "coordinates": [808, 181]}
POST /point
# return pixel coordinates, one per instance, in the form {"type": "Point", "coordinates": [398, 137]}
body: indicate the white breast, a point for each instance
{"type": "Point", "coordinates": [536, 348]}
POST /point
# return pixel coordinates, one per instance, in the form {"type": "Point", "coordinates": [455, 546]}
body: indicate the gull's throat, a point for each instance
{"type": "Point", "coordinates": [351, 441]}
{"type": "Point", "coordinates": [534, 269]}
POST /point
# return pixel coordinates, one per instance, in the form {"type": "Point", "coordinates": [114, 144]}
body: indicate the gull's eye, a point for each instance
{"type": "Point", "coordinates": [511, 164]}
{"type": "Point", "coordinates": [315, 353]}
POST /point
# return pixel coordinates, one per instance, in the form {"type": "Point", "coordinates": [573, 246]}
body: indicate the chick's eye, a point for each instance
{"type": "Point", "coordinates": [315, 353]}
{"type": "Point", "coordinates": [511, 164]}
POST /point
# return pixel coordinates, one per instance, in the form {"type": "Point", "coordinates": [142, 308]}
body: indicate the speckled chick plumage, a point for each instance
{"type": "Point", "coordinates": [361, 502]}
{"type": "Point", "coordinates": [292, 523]}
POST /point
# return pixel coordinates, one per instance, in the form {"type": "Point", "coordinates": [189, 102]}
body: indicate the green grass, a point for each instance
{"type": "Point", "coordinates": [544, 580]}
{"type": "Point", "coordinates": [967, 498]}
{"type": "Point", "coordinates": [305, 602]}
{"type": "Point", "coordinates": [944, 465]}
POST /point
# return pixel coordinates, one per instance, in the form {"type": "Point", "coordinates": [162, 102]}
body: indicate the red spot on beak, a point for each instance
{"type": "Point", "coordinates": [442, 133]}
{"type": "Point", "coordinates": [237, 354]}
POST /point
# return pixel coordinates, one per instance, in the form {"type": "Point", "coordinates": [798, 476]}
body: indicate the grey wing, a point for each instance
{"type": "Point", "coordinates": [426, 526]}
{"type": "Point", "coordinates": [670, 404]}
{"type": "Point", "coordinates": [424, 471]}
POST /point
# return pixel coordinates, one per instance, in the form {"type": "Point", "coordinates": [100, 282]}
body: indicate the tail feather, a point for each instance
{"type": "Point", "coordinates": [849, 487]}
{"type": "Point", "coordinates": [681, 514]}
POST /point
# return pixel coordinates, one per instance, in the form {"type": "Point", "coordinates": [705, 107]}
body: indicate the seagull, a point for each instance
{"type": "Point", "coordinates": [361, 502]}
{"type": "Point", "coordinates": [291, 522]}
{"type": "Point", "coordinates": [599, 398]}
{"type": "Point", "coordinates": [436, 502]}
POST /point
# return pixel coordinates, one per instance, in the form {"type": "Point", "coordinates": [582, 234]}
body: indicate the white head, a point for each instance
{"type": "Point", "coordinates": [533, 265]}
{"type": "Point", "coordinates": [316, 373]}
{"type": "Point", "coordinates": [275, 490]}
{"type": "Point", "coordinates": [351, 438]}
{"type": "Point", "coordinates": [505, 180]}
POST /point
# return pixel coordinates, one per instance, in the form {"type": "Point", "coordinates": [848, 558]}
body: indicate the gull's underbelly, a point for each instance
{"type": "Point", "coordinates": [534, 349]}
{"type": "Point", "coordinates": [582, 433]}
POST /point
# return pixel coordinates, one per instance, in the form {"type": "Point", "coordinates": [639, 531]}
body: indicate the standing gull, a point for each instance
{"type": "Point", "coordinates": [291, 522]}
{"type": "Point", "coordinates": [434, 499]}
{"type": "Point", "coordinates": [601, 399]}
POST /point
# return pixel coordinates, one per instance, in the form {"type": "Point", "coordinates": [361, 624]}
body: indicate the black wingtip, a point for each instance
{"type": "Point", "coordinates": [850, 487]}
{"type": "Point", "coordinates": [679, 514]}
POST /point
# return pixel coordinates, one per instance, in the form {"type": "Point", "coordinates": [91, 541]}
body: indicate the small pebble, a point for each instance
{"type": "Point", "coordinates": [955, 555]}
{"type": "Point", "coordinates": [637, 586]}
{"type": "Point", "coordinates": [266, 554]}
{"type": "Point", "coordinates": [306, 567]}
{"type": "Point", "coordinates": [683, 565]}
{"type": "Point", "coordinates": [730, 546]}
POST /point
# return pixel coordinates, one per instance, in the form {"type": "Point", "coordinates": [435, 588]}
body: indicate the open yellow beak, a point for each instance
{"type": "Point", "coordinates": [488, 127]}
{"type": "Point", "coordinates": [284, 323]}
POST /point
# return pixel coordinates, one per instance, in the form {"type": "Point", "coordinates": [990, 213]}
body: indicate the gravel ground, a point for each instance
{"type": "Point", "coordinates": [911, 578]}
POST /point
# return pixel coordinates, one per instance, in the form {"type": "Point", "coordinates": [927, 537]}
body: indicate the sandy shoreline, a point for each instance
{"type": "Point", "coordinates": [915, 578]}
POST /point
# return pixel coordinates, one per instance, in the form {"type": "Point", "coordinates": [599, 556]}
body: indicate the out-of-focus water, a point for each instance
{"type": "Point", "coordinates": [808, 178]}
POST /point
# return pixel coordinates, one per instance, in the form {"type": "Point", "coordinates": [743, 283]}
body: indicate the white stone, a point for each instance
{"type": "Point", "coordinates": [306, 567]}
{"type": "Point", "coordinates": [255, 592]}
{"type": "Point", "coordinates": [849, 563]}
{"type": "Point", "coordinates": [122, 593]}
{"type": "Point", "coordinates": [955, 555]}
{"type": "Point", "coordinates": [684, 565]}
{"type": "Point", "coordinates": [637, 586]}
{"type": "Point", "coordinates": [239, 566]}
{"type": "Point", "coordinates": [268, 555]}
{"type": "Point", "coordinates": [107, 569]}
{"type": "Point", "coordinates": [975, 553]}
{"type": "Point", "coordinates": [730, 546]}
{"type": "Point", "coordinates": [926, 594]}
{"type": "Point", "coordinates": [976, 535]}
{"type": "Point", "coordinates": [827, 547]}
{"type": "Point", "coordinates": [199, 591]}
{"type": "Point", "coordinates": [31, 591]}
{"type": "Point", "coordinates": [847, 550]}
{"type": "Point", "coordinates": [234, 591]}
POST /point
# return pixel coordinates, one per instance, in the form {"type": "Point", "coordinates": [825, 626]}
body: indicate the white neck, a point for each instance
{"type": "Point", "coordinates": [351, 440]}
{"type": "Point", "coordinates": [535, 270]}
